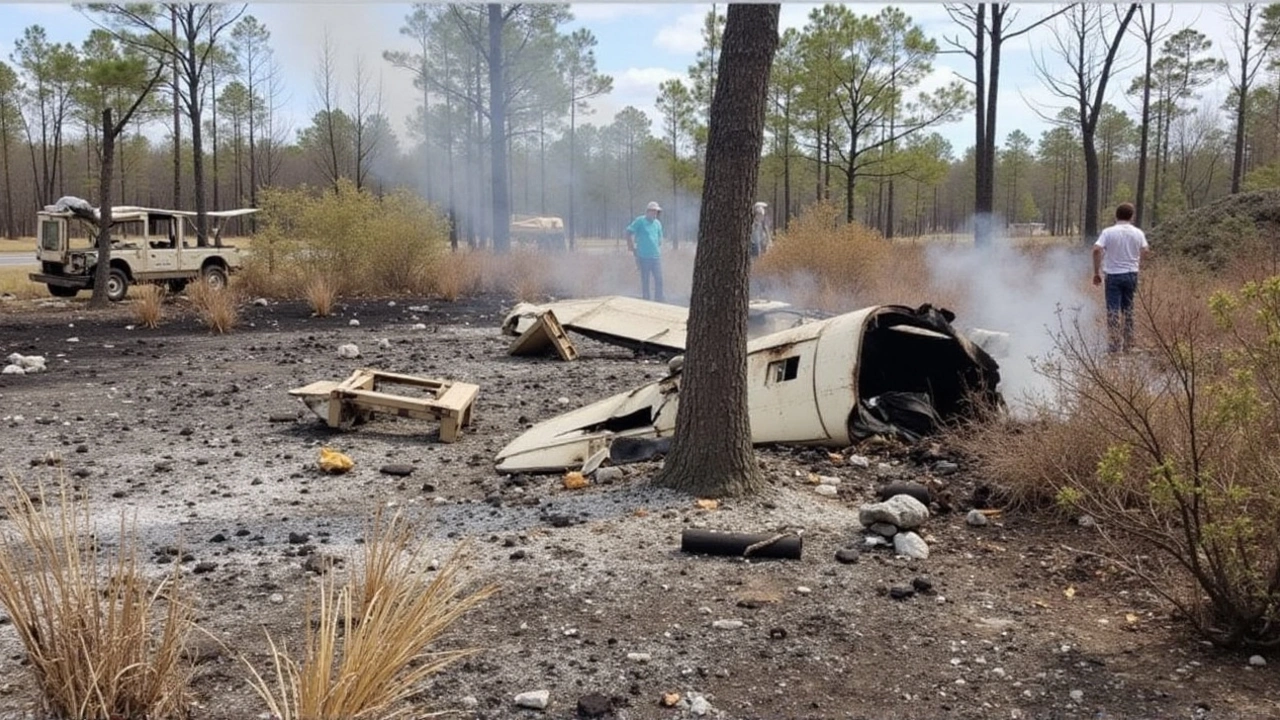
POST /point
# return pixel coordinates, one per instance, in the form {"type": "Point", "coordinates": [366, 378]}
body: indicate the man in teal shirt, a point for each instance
{"type": "Point", "coordinates": [644, 240]}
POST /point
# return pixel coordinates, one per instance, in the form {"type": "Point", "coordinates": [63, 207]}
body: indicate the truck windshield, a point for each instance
{"type": "Point", "coordinates": [49, 235]}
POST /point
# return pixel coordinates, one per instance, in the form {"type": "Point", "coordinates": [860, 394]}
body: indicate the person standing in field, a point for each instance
{"type": "Point", "coordinates": [760, 236]}
{"type": "Point", "coordinates": [1117, 255]}
{"type": "Point", "coordinates": [644, 240]}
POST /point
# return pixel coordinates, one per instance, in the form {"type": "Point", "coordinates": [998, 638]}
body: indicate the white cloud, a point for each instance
{"type": "Point", "coordinates": [632, 86]}
{"type": "Point", "coordinates": [684, 35]}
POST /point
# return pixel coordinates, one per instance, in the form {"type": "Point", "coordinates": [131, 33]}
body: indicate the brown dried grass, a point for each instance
{"type": "Point", "coordinates": [321, 295]}
{"type": "Point", "coordinates": [368, 642]}
{"type": "Point", "coordinates": [218, 308]}
{"type": "Point", "coordinates": [148, 304]}
{"type": "Point", "coordinates": [101, 642]}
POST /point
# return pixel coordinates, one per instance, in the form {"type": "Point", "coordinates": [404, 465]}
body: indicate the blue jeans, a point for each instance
{"type": "Point", "coordinates": [1120, 289]}
{"type": "Point", "coordinates": [650, 267]}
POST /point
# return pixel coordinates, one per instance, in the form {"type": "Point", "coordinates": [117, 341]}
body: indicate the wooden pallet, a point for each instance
{"type": "Point", "coordinates": [359, 397]}
{"type": "Point", "coordinates": [545, 332]}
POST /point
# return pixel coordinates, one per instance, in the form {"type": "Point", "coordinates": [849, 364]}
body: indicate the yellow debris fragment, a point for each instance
{"type": "Point", "coordinates": [332, 461]}
{"type": "Point", "coordinates": [575, 481]}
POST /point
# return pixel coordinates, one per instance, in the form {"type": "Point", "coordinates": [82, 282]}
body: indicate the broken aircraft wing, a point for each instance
{"type": "Point", "coordinates": [621, 320]}
{"type": "Point", "coordinates": [826, 383]}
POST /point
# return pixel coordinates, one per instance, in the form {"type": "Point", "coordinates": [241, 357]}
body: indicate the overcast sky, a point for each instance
{"type": "Point", "coordinates": [640, 45]}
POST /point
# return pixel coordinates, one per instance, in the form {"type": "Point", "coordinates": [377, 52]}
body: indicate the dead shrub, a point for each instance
{"type": "Point", "coordinates": [368, 640]}
{"type": "Point", "coordinates": [148, 304]}
{"type": "Point", "coordinates": [217, 308]}
{"type": "Point", "coordinates": [822, 262]}
{"type": "Point", "coordinates": [458, 274]}
{"type": "Point", "coordinates": [1172, 450]}
{"type": "Point", "coordinates": [321, 295]}
{"type": "Point", "coordinates": [101, 642]}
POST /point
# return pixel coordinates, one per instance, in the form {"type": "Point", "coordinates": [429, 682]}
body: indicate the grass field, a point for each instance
{"type": "Point", "coordinates": [20, 245]}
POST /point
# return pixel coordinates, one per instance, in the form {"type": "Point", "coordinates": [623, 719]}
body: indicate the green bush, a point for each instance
{"type": "Point", "coordinates": [359, 242]}
{"type": "Point", "coordinates": [1173, 451]}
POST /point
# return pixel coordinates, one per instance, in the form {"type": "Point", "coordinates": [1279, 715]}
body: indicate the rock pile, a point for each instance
{"type": "Point", "coordinates": [894, 521]}
{"type": "Point", "coordinates": [24, 364]}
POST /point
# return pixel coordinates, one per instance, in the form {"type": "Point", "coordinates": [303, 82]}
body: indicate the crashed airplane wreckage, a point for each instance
{"type": "Point", "coordinates": [617, 320]}
{"type": "Point", "coordinates": [883, 370]}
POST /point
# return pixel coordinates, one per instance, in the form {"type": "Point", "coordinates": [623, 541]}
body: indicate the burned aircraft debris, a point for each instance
{"type": "Point", "coordinates": [886, 369]}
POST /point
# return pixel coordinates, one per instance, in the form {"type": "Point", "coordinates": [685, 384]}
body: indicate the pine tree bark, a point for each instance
{"type": "Point", "coordinates": [711, 453]}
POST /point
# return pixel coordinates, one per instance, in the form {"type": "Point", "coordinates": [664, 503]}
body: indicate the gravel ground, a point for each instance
{"type": "Point", "coordinates": [194, 437]}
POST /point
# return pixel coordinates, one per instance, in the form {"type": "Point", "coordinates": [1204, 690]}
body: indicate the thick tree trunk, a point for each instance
{"type": "Point", "coordinates": [1090, 190]}
{"type": "Point", "coordinates": [497, 132]}
{"type": "Point", "coordinates": [711, 453]}
{"type": "Point", "coordinates": [9, 230]}
{"type": "Point", "coordinates": [177, 116]}
{"type": "Point", "coordinates": [99, 298]}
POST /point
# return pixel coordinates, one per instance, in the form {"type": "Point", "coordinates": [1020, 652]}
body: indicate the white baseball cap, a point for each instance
{"type": "Point", "coordinates": [654, 206]}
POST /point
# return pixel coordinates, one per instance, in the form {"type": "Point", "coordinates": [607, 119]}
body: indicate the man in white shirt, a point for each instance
{"type": "Point", "coordinates": [1117, 255]}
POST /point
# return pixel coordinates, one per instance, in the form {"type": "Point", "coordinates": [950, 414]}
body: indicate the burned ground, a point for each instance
{"type": "Point", "coordinates": [174, 427]}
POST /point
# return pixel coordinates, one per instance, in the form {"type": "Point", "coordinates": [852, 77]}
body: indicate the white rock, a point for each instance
{"type": "Point", "coordinates": [727, 624]}
{"type": "Point", "coordinates": [699, 706]}
{"type": "Point", "coordinates": [354, 323]}
{"type": "Point", "coordinates": [1086, 521]}
{"type": "Point", "coordinates": [419, 308]}
{"type": "Point", "coordinates": [804, 590]}
{"type": "Point", "coordinates": [15, 358]}
{"type": "Point", "coordinates": [910, 545]}
{"type": "Point", "coordinates": [859, 461]}
{"type": "Point", "coordinates": [562, 400]}
{"type": "Point", "coordinates": [975, 518]}
{"type": "Point", "coordinates": [261, 302]}
{"type": "Point", "coordinates": [828, 480]}
{"type": "Point", "coordinates": [276, 598]}
{"type": "Point", "coordinates": [534, 699]}
{"type": "Point", "coordinates": [903, 511]}
{"type": "Point", "coordinates": [350, 350]}
{"type": "Point", "coordinates": [470, 701]}
{"type": "Point", "coordinates": [1258, 661]}
{"type": "Point", "coordinates": [827, 490]}
{"type": "Point", "coordinates": [73, 339]}
{"type": "Point", "coordinates": [639, 657]}
{"type": "Point", "coordinates": [384, 343]}
{"type": "Point", "coordinates": [874, 541]}
{"type": "Point", "coordinates": [13, 370]}
{"type": "Point", "coordinates": [418, 326]}
{"type": "Point", "coordinates": [391, 304]}
{"type": "Point", "coordinates": [1077, 696]}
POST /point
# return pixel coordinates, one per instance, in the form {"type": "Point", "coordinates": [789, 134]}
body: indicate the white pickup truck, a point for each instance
{"type": "Point", "coordinates": [148, 245]}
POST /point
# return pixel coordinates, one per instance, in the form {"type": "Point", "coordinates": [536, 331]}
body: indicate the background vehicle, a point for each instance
{"type": "Point", "coordinates": [147, 245]}
{"type": "Point", "coordinates": [546, 232]}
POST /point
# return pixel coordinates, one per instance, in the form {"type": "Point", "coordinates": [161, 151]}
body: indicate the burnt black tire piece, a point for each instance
{"type": "Point", "coordinates": [63, 292]}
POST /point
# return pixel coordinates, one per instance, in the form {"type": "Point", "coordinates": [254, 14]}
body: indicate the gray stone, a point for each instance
{"type": "Point", "coordinates": [727, 624]}
{"type": "Point", "coordinates": [397, 469]}
{"type": "Point", "coordinates": [874, 541]}
{"type": "Point", "coordinates": [699, 705]}
{"type": "Point", "coordinates": [1086, 521]}
{"type": "Point", "coordinates": [827, 490]}
{"type": "Point", "coordinates": [1258, 661]}
{"type": "Point", "coordinates": [976, 518]}
{"type": "Point", "coordinates": [902, 511]}
{"type": "Point", "coordinates": [847, 555]}
{"type": "Point", "coordinates": [606, 475]}
{"type": "Point", "coordinates": [534, 699]}
{"type": "Point", "coordinates": [910, 545]}
{"type": "Point", "coordinates": [884, 529]}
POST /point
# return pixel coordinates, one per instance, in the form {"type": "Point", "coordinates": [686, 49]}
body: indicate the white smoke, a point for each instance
{"type": "Point", "coordinates": [1023, 293]}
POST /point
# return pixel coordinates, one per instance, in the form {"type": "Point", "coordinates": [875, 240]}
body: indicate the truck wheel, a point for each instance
{"type": "Point", "coordinates": [60, 291]}
{"type": "Point", "coordinates": [117, 285]}
{"type": "Point", "coordinates": [214, 276]}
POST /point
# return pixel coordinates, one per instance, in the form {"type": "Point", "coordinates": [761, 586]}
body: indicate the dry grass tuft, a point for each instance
{"type": "Point", "coordinates": [101, 643]}
{"type": "Point", "coordinates": [457, 274]}
{"type": "Point", "coordinates": [219, 309]}
{"type": "Point", "coordinates": [321, 295]}
{"type": "Point", "coordinates": [367, 644]}
{"type": "Point", "coordinates": [148, 305]}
